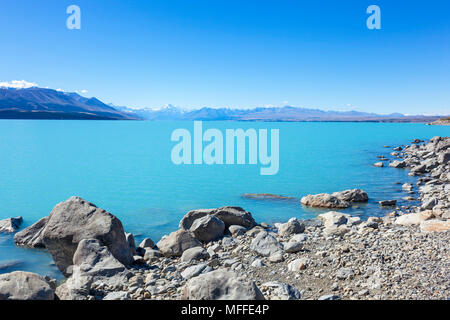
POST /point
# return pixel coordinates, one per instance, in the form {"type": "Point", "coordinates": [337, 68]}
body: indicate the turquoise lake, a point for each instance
{"type": "Point", "coordinates": [125, 167]}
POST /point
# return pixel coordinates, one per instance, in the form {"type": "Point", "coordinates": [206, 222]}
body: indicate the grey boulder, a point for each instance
{"type": "Point", "coordinates": [177, 242]}
{"type": "Point", "coordinates": [76, 219]}
{"type": "Point", "coordinates": [208, 228]}
{"type": "Point", "coordinates": [21, 285]}
{"type": "Point", "coordinates": [93, 264]}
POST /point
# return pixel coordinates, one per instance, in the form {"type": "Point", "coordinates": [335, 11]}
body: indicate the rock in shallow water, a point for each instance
{"type": "Point", "coordinates": [31, 236]}
{"type": "Point", "coordinates": [76, 219]}
{"type": "Point", "coordinates": [10, 225]}
{"type": "Point", "coordinates": [339, 200]}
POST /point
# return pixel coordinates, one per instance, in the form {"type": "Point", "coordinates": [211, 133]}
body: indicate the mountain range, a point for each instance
{"type": "Point", "coordinates": [286, 113]}
{"type": "Point", "coordinates": [43, 103]}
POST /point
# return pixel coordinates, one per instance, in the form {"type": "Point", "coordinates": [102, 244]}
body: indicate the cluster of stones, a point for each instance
{"type": "Point", "coordinates": [224, 254]}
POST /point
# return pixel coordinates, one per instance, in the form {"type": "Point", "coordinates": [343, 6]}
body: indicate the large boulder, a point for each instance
{"type": "Point", "coordinates": [177, 242]}
{"type": "Point", "coordinates": [324, 200]}
{"type": "Point", "coordinates": [31, 236]}
{"type": "Point", "coordinates": [76, 219]}
{"type": "Point", "coordinates": [193, 215]}
{"type": "Point", "coordinates": [229, 215]}
{"type": "Point", "coordinates": [221, 285]}
{"type": "Point", "coordinates": [265, 244]}
{"type": "Point", "coordinates": [21, 285]}
{"type": "Point", "coordinates": [235, 216]}
{"type": "Point", "coordinates": [93, 258]}
{"type": "Point", "coordinates": [208, 228]}
{"type": "Point", "coordinates": [10, 225]}
{"type": "Point", "coordinates": [93, 265]}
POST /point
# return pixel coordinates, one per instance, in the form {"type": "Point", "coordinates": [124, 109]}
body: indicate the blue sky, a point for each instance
{"type": "Point", "coordinates": [196, 53]}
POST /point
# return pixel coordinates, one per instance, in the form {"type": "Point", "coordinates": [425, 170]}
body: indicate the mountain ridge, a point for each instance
{"type": "Point", "coordinates": [285, 114]}
{"type": "Point", "coordinates": [43, 103]}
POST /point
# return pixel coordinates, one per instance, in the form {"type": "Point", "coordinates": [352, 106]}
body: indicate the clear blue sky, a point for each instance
{"type": "Point", "coordinates": [195, 53]}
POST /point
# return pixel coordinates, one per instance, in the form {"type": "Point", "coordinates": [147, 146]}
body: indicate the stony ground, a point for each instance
{"type": "Point", "coordinates": [384, 258]}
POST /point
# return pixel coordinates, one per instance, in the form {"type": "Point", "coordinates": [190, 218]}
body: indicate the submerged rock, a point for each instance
{"type": "Point", "coordinates": [387, 203]}
{"type": "Point", "coordinates": [266, 196]}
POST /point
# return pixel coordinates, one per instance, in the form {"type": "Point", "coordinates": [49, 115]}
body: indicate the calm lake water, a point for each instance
{"type": "Point", "coordinates": [126, 168]}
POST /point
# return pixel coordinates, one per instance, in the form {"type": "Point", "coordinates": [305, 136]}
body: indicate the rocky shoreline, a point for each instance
{"type": "Point", "coordinates": [224, 253]}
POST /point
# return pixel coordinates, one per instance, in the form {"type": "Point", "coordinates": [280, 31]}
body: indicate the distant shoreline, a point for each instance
{"type": "Point", "coordinates": [92, 117]}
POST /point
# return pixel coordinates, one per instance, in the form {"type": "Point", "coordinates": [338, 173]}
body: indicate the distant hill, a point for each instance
{"type": "Point", "coordinates": [287, 113]}
{"type": "Point", "coordinates": [40, 103]}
